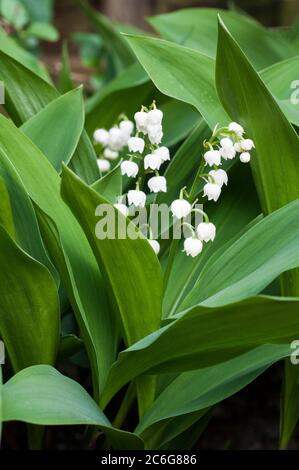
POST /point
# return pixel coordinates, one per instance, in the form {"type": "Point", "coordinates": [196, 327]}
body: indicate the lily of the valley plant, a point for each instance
{"type": "Point", "coordinates": [136, 340]}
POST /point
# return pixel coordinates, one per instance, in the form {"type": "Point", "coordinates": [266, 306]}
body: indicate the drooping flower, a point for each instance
{"type": "Point", "coordinates": [110, 154]}
{"type": "Point", "coordinates": [247, 145]}
{"type": "Point", "coordinates": [236, 128]}
{"type": "Point", "coordinates": [101, 136]}
{"type": "Point", "coordinates": [212, 191]}
{"type": "Point", "coordinates": [136, 144]}
{"type": "Point", "coordinates": [127, 127]}
{"type": "Point", "coordinates": [136, 198]}
{"type": "Point", "coordinates": [180, 208]}
{"type": "Point", "coordinates": [212, 157]}
{"type": "Point", "coordinates": [227, 150]}
{"type": "Point", "coordinates": [245, 157]}
{"type": "Point", "coordinates": [206, 231]}
{"type": "Point", "coordinates": [141, 121]}
{"type": "Point", "coordinates": [155, 245]}
{"type": "Point", "coordinates": [163, 153]}
{"type": "Point", "coordinates": [155, 117]}
{"type": "Point", "coordinates": [155, 133]}
{"type": "Point", "coordinates": [192, 246]}
{"type": "Point", "coordinates": [219, 176]}
{"type": "Point", "coordinates": [152, 161]}
{"type": "Point", "coordinates": [103, 165]}
{"type": "Point", "coordinates": [116, 139]}
{"type": "Point", "coordinates": [157, 184]}
{"type": "Point", "coordinates": [129, 168]}
{"type": "Point", "coordinates": [122, 208]}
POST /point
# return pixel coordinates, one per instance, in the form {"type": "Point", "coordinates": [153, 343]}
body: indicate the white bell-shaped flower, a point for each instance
{"type": "Point", "coordinates": [247, 145]}
{"type": "Point", "coordinates": [122, 208]}
{"type": "Point", "coordinates": [213, 157]}
{"type": "Point", "coordinates": [155, 246]}
{"type": "Point", "coordinates": [163, 153]}
{"type": "Point", "coordinates": [155, 134]}
{"type": "Point", "coordinates": [136, 144]}
{"type": "Point", "coordinates": [136, 198]}
{"type": "Point", "coordinates": [127, 127]}
{"type": "Point", "coordinates": [152, 161]}
{"type": "Point", "coordinates": [227, 150]}
{"type": "Point", "coordinates": [245, 157]}
{"type": "Point", "coordinates": [101, 136]}
{"type": "Point", "coordinates": [110, 154]}
{"type": "Point", "coordinates": [219, 176]}
{"type": "Point", "coordinates": [206, 231]}
{"type": "Point", "coordinates": [157, 184]}
{"type": "Point", "coordinates": [236, 128]}
{"type": "Point", "coordinates": [212, 191]}
{"type": "Point", "coordinates": [141, 121]}
{"type": "Point", "coordinates": [192, 246]}
{"type": "Point", "coordinates": [116, 139]}
{"type": "Point", "coordinates": [155, 117]}
{"type": "Point", "coordinates": [180, 208]}
{"type": "Point", "coordinates": [129, 168]}
{"type": "Point", "coordinates": [103, 165]}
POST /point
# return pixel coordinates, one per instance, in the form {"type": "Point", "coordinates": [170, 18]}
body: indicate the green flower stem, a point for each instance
{"type": "Point", "coordinates": [125, 406]}
{"type": "Point", "coordinates": [172, 252]}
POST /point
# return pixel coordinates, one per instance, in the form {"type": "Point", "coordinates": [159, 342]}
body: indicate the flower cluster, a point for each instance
{"type": "Point", "coordinates": [145, 155]}
{"type": "Point", "coordinates": [112, 142]}
{"type": "Point", "coordinates": [225, 144]}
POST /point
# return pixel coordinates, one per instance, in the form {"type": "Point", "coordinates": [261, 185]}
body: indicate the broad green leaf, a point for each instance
{"type": "Point", "coordinates": [26, 94]}
{"type": "Point", "coordinates": [197, 28]}
{"type": "Point", "coordinates": [197, 390]}
{"type": "Point", "coordinates": [1, 403]}
{"type": "Point", "coordinates": [114, 42]}
{"type": "Point", "coordinates": [231, 215]}
{"type": "Point", "coordinates": [178, 121]}
{"type": "Point", "coordinates": [22, 226]}
{"type": "Point", "coordinates": [202, 339]}
{"type": "Point", "coordinates": [14, 13]}
{"type": "Point", "coordinates": [72, 253]}
{"type": "Point", "coordinates": [282, 81]}
{"type": "Point", "coordinates": [247, 100]}
{"type": "Point", "coordinates": [65, 82]}
{"type": "Point", "coordinates": [11, 48]}
{"type": "Point", "coordinates": [130, 266]}
{"type": "Point", "coordinates": [29, 307]}
{"type": "Point", "coordinates": [41, 395]}
{"type": "Point", "coordinates": [57, 128]}
{"type": "Point", "coordinates": [6, 214]}
{"type": "Point", "coordinates": [125, 94]}
{"type": "Point", "coordinates": [39, 11]}
{"type": "Point", "coordinates": [275, 164]}
{"type": "Point", "coordinates": [110, 185]}
{"type": "Point", "coordinates": [181, 73]}
{"type": "Point", "coordinates": [252, 262]}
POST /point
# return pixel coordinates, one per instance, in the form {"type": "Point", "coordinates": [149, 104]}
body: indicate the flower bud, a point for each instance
{"type": "Point", "coordinates": [103, 165]}
{"type": "Point", "coordinates": [192, 246]}
{"type": "Point", "coordinates": [127, 127]}
{"type": "Point", "coordinates": [247, 145]}
{"type": "Point", "coordinates": [116, 139]}
{"type": "Point", "coordinates": [110, 154]}
{"type": "Point", "coordinates": [101, 136]}
{"type": "Point", "coordinates": [157, 184]}
{"type": "Point", "coordinates": [236, 128]}
{"type": "Point", "coordinates": [245, 157]}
